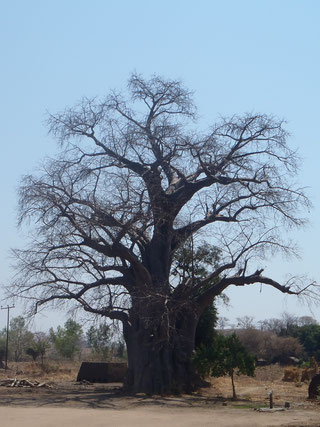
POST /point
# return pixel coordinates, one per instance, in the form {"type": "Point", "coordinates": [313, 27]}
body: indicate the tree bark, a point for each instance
{"type": "Point", "coordinates": [160, 350]}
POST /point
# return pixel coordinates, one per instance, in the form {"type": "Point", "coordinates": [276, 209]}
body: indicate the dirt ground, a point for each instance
{"type": "Point", "coordinates": [68, 403]}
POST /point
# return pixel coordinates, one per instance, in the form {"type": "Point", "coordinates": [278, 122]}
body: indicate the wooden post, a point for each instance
{"type": "Point", "coordinates": [271, 399]}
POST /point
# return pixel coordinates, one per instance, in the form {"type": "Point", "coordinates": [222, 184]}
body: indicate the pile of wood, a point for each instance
{"type": "Point", "coordinates": [15, 382]}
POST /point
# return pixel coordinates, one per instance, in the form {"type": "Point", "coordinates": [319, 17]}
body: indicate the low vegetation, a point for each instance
{"type": "Point", "coordinates": [66, 343]}
{"type": "Point", "coordinates": [287, 340]}
{"type": "Point", "coordinates": [219, 353]}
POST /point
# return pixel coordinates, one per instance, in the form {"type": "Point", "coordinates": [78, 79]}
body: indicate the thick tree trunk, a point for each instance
{"type": "Point", "coordinates": [160, 347]}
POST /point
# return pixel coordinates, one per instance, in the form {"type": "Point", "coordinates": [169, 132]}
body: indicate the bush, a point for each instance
{"type": "Point", "coordinates": [269, 346]}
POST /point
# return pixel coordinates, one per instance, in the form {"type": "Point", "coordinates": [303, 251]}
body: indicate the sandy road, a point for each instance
{"type": "Point", "coordinates": [70, 404]}
{"type": "Point", "coordinates": [153, 416]}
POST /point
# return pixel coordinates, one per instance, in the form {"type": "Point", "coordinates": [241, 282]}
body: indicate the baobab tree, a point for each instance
{"type": "Point", "coordinates": [135, 181]}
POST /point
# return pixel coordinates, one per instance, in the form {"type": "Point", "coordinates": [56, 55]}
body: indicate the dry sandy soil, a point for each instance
{"type": "Point", "coordinates": [68, 403]}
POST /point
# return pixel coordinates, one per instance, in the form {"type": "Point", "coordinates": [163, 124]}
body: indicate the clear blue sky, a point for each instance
{"type": "Point", "coordinates": [237, 55]}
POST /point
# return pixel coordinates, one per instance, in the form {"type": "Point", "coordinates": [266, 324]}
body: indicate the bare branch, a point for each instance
{"type": "Point", "coordinates": [110, 213]}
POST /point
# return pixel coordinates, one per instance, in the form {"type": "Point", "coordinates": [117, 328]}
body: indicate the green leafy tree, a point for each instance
{"type": "Point", "coordinates": [67, 340]}
{"type": "Point", "coordinates": [207, 323]}
{"type": "Point", "coordinates": [99, 340]}
{"type": "Point", "coordinates": [194, 264]}
{"type": "Point", "coordinates": [309, 336]}
{"type": "Point", "coordinates": [39, 346]}
{"type": "Point", "coordinates": [225, 356]}
{"type": "Point", "coordinates": [19, 338]}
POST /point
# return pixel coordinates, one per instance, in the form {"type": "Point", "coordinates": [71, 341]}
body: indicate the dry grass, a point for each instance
{"type": "Point", "coordinates": [254, 390]}
{"type": "Point", "coordinates": [48, 371]}
{"type": "Point", "coordinates": [213, 404]}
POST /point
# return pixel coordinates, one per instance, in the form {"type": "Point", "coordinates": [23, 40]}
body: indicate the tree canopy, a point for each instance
{"type": "Point", "coordinates": [134, 181]}
{"type": "Point", "coordinates": [99, 340]}
{"type": "Point", "coordinates": [67, 340]}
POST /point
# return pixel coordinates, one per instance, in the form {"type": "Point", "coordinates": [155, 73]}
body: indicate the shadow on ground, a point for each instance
{"type": "Point", "coordinates": [102, 396]}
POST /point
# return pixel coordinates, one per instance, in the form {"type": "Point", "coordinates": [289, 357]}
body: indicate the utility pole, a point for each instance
{"type": "Point", "coordinates": [7, 343]}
